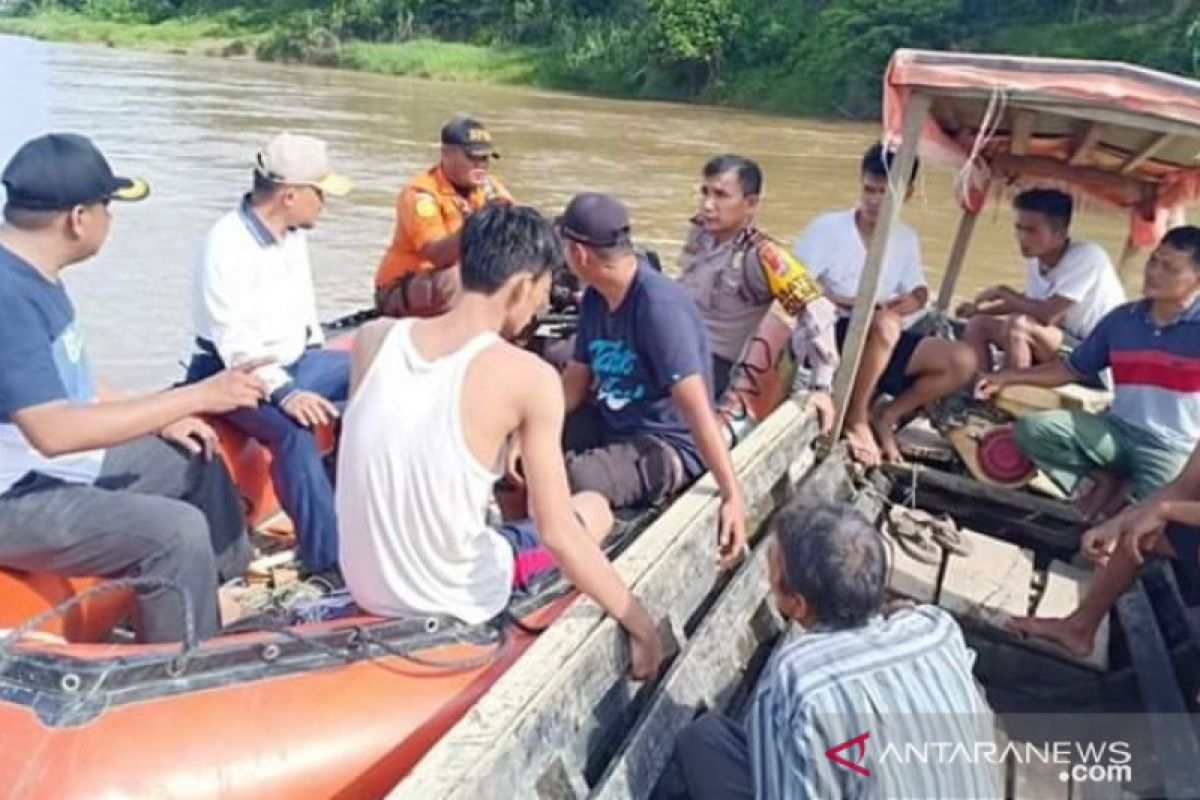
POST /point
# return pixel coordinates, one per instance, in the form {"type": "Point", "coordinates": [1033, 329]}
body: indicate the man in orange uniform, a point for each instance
{"type": "Point", "coordinates": [418, 276]}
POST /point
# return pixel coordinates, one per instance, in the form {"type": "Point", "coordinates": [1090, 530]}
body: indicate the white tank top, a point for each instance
{"type": "Point", "coordinates": [411, 497]}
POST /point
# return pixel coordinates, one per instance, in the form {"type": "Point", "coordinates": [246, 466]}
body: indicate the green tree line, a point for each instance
{"type": "Point", "coordinates": [812, 56]}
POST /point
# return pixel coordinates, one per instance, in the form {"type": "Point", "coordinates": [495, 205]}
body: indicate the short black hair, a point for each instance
{"type": "Point", "coordinates": [878, 160]}
{"type": "Point", "coordinates": [30, 219]}
{"type": "Point", "coordinates": [1187, 238]}
{"type": "Point", "coordinates": [263, 187]}
{"type": "Point", "coordinates": [833, 558]}
{"type": "Point", "coordinates": [1051, 203]}
{"type": "Point", "coordinates": [502, 240]}
{"type": "Point", "coordinates": [749, 175]}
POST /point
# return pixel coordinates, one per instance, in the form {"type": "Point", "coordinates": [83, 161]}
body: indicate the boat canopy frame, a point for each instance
{"type": "Point", "coordinates": [1125, 136]}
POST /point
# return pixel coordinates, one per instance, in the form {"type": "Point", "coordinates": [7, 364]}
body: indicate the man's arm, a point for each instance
{"type": "Point", "coordinates": [909, 302]}
{"type": "Point", "coordinates": [580, 558]}
{"type": "Point", "coordinates": [576, 383]}
{"type": "Point", "coordinates": [1049, 311]}
{"type": "Point", "coordinates": [691, 398]}
{"type": "Point", "coordinates": [60, 427]}
{"type": "Point", "coordinates": [444, 251]}
{"type": "Point", "coordinates": [1048, 375]}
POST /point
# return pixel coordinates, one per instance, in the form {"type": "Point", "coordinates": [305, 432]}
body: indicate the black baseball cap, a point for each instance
{"type": "Point", "coordinates": [469, 134]}
{"type": "Point", "coordinates": [595, 219]}
{"type": "Point", "coordinates": [58, 171]}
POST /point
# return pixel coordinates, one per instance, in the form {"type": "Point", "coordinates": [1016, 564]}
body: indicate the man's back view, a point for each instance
{"type": "Point", "coordinates": [434, 405]}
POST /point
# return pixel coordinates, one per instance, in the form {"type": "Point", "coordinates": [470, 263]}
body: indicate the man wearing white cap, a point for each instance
{"type": "Point", "coordinates": [254, 299]}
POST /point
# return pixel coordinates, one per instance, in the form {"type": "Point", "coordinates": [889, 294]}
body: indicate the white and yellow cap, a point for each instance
{"type": "Point", "coordinates": [300, 160]}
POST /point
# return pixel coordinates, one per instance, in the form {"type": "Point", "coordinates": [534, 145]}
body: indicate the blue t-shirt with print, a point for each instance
{"type": "Point", "coordinates": [637, 352]}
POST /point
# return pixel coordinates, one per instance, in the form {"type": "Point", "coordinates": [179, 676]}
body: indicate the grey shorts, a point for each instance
{"type": "Point", "coordinates": [631, 472]}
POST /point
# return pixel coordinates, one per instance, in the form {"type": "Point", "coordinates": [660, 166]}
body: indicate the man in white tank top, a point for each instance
{"type": "Point", "coordinates": [434, 405]}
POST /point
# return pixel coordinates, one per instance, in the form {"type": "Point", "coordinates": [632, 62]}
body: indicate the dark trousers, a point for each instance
{"type": "Point", "coordinates": [711, 762]}
{"type": "Point", "coordinates": [297, 471]}
{"type": "Point", "coordinates": [631, 472]}
{"type": "Point", "coordinates": [154, 512]}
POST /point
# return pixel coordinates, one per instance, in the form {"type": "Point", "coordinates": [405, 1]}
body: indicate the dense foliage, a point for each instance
{"type": "Point", "coordinates": [817, 56]}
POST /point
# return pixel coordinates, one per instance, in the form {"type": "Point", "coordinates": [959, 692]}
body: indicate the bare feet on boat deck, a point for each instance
{"type": "Point", "coordinates": [863, 447]}
{"type": "Point", "coordinates": [884, 428]}
{"type": "Point", "coordinates": [1100, 500]}
{"type": "Point", "coordinates": [1062, 631]}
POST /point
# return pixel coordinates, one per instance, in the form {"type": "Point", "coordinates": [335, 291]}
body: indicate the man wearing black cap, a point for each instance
{"type": "Point", "coordinates": [638, 387]}
{"type": "Point", "coordinates": [418, 276]}
{"type": "Point", "coordinates": [85, 486]}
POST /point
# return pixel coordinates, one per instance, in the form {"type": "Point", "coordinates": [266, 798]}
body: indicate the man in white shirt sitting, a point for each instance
{"type": "Point", "coordinates": [912, 368]}
{"type": "Point", "coordinates": [1069, 287]}
{"type": "Point", "coordinates": [254, 299]}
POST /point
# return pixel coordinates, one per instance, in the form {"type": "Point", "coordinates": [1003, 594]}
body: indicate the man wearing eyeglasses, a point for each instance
{"type": "Point", "coordinates": [253, 299]}
{"type": "Point", "coordinates": [418, 276]}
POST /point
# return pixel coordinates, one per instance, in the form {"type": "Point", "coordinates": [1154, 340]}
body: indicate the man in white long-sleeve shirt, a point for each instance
{"type": "Point", "coordinates": [254, 299]}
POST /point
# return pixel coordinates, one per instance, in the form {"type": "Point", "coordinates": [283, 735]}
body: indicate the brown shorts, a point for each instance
{"type": "Point", "coordinates": [631, 472]}
{"type": "Point", "coordinates": [427, 293]}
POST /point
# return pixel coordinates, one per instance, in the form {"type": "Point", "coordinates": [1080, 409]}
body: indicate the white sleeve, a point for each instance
{"type": "Point", "coordinates": [809, 251]}
{"type": "Point", "coordinates": [912, 268]}
{"type": "Point", "coordinates": [1077, 277]}
{"type": "Point", "coordinates": [227, 295]}
{"type": "Point", "coordinates": [316, 336]}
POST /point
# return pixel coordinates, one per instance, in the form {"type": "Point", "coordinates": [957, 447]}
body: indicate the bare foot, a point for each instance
{"type": "Point", "coordinates": [1093, 500]}
{"type": "Point", "coordinates": [884, 429]}
{"type": "Point", "coordinates": [1062, 631]}
{"type": "Point", "coordinates": [863, 447]}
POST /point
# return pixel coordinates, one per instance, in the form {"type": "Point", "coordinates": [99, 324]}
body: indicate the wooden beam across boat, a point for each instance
{"type": "Point", "coordinates": [914, 474]}
{"type": "Point", "coordinates": [542, 723]}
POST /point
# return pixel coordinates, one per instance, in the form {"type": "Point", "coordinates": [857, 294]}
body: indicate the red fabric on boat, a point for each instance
{"type": "Point", "coordinates": [1049, 82]}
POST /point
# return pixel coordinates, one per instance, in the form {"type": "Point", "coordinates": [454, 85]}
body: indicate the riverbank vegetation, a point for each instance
{"type": "Point", "coordinates": [800, 56]}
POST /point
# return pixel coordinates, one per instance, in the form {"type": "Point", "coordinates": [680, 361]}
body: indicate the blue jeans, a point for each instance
{"type": "Point", "coordinates": [297, 472]}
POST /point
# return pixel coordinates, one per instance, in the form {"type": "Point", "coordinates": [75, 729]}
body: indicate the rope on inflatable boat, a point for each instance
{"type": "Point", "coordinates": [190, 642]}
{"type": "Point", "coordinates": [361, 636]}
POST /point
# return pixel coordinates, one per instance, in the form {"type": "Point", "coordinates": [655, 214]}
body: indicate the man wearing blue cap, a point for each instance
{"type": "Point", "coordinates": [639, 385]}
{"type": "Point", "coordinates": [86, 487]}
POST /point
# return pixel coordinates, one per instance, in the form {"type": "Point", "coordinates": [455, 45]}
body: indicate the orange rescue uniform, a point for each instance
{"type": "Point", "coordinates": [429, 208]}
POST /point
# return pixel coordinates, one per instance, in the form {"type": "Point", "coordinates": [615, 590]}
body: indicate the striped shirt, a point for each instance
{"type": "Point", "coordinates": [904, 679]}
{"type": "Point", "coordinates": [1155, 369]}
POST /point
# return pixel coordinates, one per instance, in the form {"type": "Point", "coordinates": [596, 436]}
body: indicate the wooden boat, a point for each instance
{"type": "Point", "coordinates": [566, 723]}
{"type": "Point", "coordinates": [342, 708]}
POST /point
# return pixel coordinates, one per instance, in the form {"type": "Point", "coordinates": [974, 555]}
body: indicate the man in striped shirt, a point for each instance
{"type": "Point", "coordinates": [837, 697]}
{"type": "Point", "coordinates": [1153, 348]}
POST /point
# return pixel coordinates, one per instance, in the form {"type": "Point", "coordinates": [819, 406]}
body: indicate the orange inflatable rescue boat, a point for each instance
{"type": "Point", "coordinates": [334, 709]}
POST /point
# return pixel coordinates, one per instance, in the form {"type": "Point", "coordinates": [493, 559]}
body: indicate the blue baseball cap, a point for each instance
{"type": "Point", "coordinates": [58, 171]}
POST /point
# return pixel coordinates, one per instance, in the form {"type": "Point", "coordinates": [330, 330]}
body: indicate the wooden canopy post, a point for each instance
{"type": "Point", "coordinates": [864, 303]}
{"type": "Point", "coordinates": [958, 252]}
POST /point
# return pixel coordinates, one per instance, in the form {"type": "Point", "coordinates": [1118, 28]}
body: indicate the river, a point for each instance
{"type": "Point", "coordinates": [191, 126]}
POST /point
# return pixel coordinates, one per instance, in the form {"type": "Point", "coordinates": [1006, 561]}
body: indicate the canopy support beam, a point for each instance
{"type": "Point", "coordinates": [864, 304]}
{"type": "Point", "coordinates": [1146, 153]}
{"type": "Point", "coordinates": [958, 252]}
{"type": "Point", "coordinates": [1022, 131]}
{"type": "Point", "coordinates": [1090, 138]}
